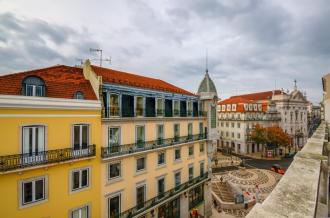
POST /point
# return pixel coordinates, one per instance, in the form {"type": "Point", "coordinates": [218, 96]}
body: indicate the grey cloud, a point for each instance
{"type": "Point", "coordinates": [25, 46]}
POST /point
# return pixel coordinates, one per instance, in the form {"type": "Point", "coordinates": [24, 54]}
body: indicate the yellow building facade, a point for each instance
{"type": "Point", "coordinates": [49, 163]}
{"type": "Point", "coordinates": [94, 142]}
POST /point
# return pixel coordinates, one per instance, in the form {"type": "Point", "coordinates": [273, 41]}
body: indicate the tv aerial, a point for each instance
{"type": "Point", "coordinates": [100, 52]}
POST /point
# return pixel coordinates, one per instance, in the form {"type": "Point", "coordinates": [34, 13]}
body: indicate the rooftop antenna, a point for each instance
{"type": "Point", "coordinates": [295, 84]}
{"type": "Point", "coordinates": [81, 61]}
{"type": "Point", "coordinates": [100, 51]}
{"type": "Point", "coordinates": [206, 62]}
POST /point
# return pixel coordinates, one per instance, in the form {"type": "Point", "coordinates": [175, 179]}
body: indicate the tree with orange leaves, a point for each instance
{"type": "Point", "coordinates": [276, 136]}
{"type": "Point", "coordinates": [270, 135]}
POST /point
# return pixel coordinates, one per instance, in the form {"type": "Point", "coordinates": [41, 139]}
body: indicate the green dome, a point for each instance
{"type": "Point", "coordinates": [207, 85]}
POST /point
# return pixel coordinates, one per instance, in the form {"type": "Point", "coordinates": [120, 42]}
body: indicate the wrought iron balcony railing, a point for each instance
{"type": "Point", "coordinates": [160, 112]}
{"type": "Point", "coordinates": [202, 113]}
{"type": "Point", "coordinates": [118, 150]}
{"type": "Point", "coordinates": [18, 161]}
{"type": "Point", "coordinates": [143, 206]}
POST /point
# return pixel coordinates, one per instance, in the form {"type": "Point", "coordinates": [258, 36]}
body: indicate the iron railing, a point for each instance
{"type": "Point", "coordinates": [142, 207]}
{"type": "Point", "coordinates": [18, 161]}
{"type": "Point", "coordinates": [118, 150]}
{"type": "Point", "coordinates": [115, 112]}
{"type": "Point", "coordinates": [194, 203]}
{"type": "Point", "coordinates": [160, 112]}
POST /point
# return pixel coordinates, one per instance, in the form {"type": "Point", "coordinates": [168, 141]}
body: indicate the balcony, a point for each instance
{"type": "Point", "coordinates": [127, 112]}
{"type": "Point", "coordinates": [158, 200]}
{"type": "Point", "coordinates": [20, 161]}
{"type": "Point", "coordinates": [119, 150]}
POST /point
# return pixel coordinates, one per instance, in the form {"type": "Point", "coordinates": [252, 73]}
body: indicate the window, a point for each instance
{"type": "Point", "coordinates": [221, 124]}
{"type": "Point", "coordinates": [82, 212]}
{"type": "Point", "coordinates": [176, 132]}
{"type": "Point", "coordinates": [190, 108]}
{"type": "Point", "coordinates": [33, 86]}
{"type": "Point", "coordinates": [161, 187]}
{"type": "Point", "coordinates": [33, 191]}
{"type": "Point", "coordinates": [114, 206]}
{"type": "Point", "coordinates": [201, 168]}
{"type": "Point", "coordinates": [139, 108]}
{"type": "Point", "coordinates": [177, 154]}
{"type": "Point", "coordinates": [238, 135]}
{"type": "Point", "coordinates": [191, 172]}
{"type": "Point", "coordinates": [113, 139]}
{"type": "Point", "coordinates": [33, 143]}
{"type": "Point", "coordinates": [114, 170]}
{"type": "Point", "coordinates": [232, 125]}
{"type": "Point", "coordinates": [201, 128]}
{"type": "Point", "coordinates": [177, 179]}
{"type": "Point", "coordinates": [160, 107]}
{"type": "Point", "coordinates": [160, 134]}
{"type": "Point", "coordinates": [232, 135]}
{"type": "Point", "coordinates": [227, 124]}
{"type": "Point", "coordinates": [221, 133]}
{"type": "Point", "coordinates": [190, 130]}
{"type": "Point", "coordinates": [79, 179]}
{"type": "Point", "coordinates": [80, 136]}
{"type": "Point", "coordinates": [191, 150]}
{"type": "Point", "coordinates": [79, 95]}
{"type": "Point", "coordinates": [140, 164]}
{"type": "Point", "coordinates": [213, 117]}
{"type": "Point", "coordinates": [140, 136]}
{"type": "Point", "coordinates": [201, 147]}
{"type": "Point", "coordinates": [161, 158]}
{"type": "Point", "coordinates": [238, 125]}
{"type": "Point", "coordinates": [227, 134]}
{"type": "Point", "coordinates": [176, 108]}
{"type": "Point", "coordinates": [140, 196]}
{"type": "Point", "coordinates": [114, 105]}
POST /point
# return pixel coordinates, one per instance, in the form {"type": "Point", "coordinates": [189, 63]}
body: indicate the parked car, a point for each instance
{"type": "Point", "coordinates": [277, 169]}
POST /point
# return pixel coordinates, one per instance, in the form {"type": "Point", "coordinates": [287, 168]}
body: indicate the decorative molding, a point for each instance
{"type": "Point", "coordinates": [14, 101]}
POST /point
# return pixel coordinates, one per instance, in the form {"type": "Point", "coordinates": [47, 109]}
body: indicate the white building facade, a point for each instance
{"type": "Point", "coordinates": [238, 114]}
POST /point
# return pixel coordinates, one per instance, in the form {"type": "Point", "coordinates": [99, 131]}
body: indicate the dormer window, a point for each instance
{"type": "Point", "coordinates": [33, 86]}
{"type": "Point", "coordinates": [79, 95]}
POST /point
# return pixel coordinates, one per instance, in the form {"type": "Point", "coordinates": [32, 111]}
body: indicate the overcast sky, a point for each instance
{"type": "Point", "coordinates": [252, 45]}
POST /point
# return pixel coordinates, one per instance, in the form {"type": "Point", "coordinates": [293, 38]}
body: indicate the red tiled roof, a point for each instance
{"type": "Point", "coordinates": [259, 95]}
{"type": "Point", "coordinates": [61, 82]}
{"type": "Point", "coordinates": [129, 79]}
{"type": "Point", "coordinates": [234, 100]}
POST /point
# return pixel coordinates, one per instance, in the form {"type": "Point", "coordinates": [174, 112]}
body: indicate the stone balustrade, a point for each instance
{"type": "Point", "coordinates": [303, 190]}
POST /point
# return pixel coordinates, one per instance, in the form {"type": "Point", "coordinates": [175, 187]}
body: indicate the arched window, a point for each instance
{"type": "Point", "coordinates": [33, 86]}
{"type": "Point", "coordinates": [79, 95]}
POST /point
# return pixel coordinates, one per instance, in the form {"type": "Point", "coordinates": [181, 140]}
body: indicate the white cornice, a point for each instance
{"type": "Point", "coordinates": [16, 101]}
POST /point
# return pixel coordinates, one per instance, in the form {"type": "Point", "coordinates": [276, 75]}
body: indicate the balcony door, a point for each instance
{"type": "Point", "coordinates": [80, 139]}
{"type": "Point", "coordinates": [33, 145]}
{"type": "Point", "coordinates": [140, 136]}
{"type": "Point", "coordinates": [113, 139]}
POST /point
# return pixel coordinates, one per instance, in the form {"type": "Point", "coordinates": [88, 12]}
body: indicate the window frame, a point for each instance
{"type": "Point", "coordinates": [159, 153]}
{"type": "Point", "coordinates": [79, 208]}
{"type": "Point", "coordinates": [120, 171]}
{"type": "Point", "coordinates": [175, 158]}
{"type": "Point", "coordinates": [108, 199]}
{"type": "Point", "coordinates": [80, 135]}
{"type": "Point", "coordinates": [33, 202]}
{"type": "Point", "coordinates": [80, 188]}
{"type": "Point", "coordinates": [136, 163]}
{"type": "Point", "coordinates": [109, 104]}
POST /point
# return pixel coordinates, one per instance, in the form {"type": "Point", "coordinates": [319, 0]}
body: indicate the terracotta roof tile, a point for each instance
{"type": "Point", "coordinates": [129, 79]}
{"type": "Point", "coordinates": [259, 95]}
{"type": "Point", "coordinates": [61, 82]}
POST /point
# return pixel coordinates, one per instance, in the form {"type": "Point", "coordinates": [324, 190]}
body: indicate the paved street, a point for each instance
{"type": "Point", "coordinates": [266, 164]}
